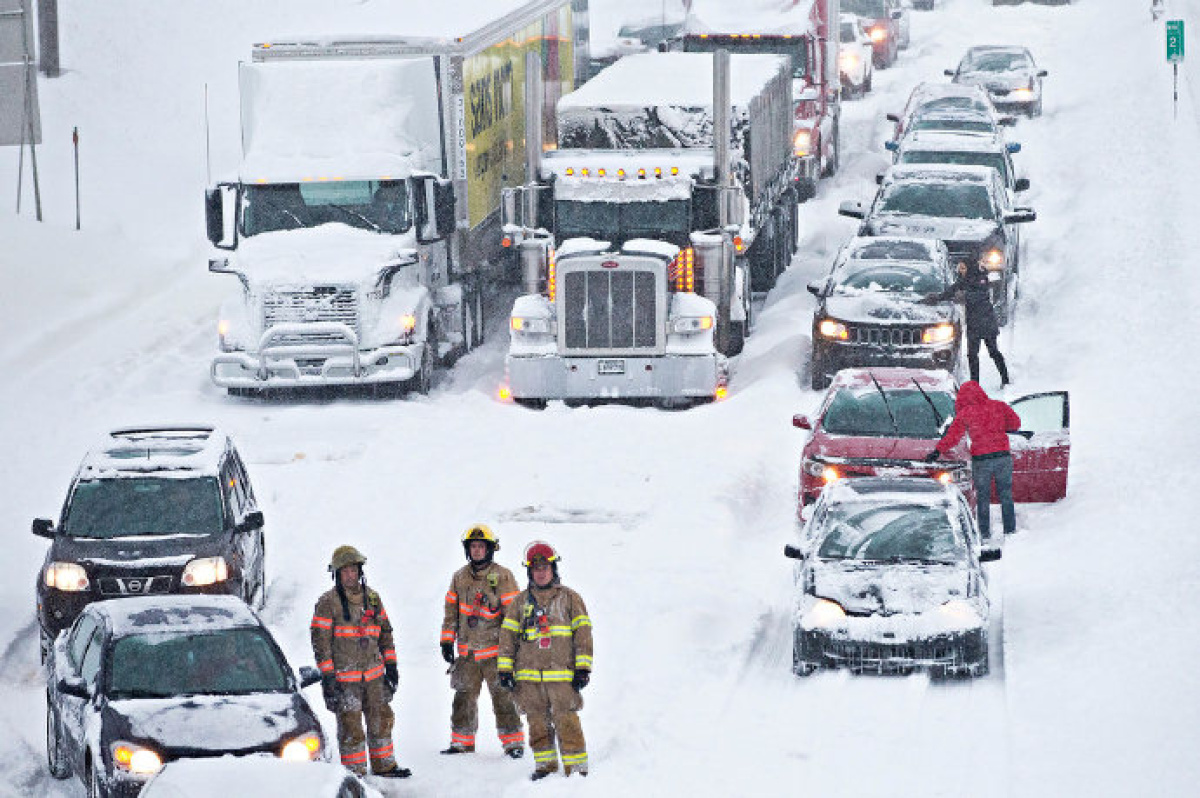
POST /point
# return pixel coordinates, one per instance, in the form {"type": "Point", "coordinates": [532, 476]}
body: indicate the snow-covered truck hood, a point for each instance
{"type": "Point", "coordinates": [331, 253]}
{"type": "Point", "coordinates": [888, 589]}
{"type": "Point", "coordinates": [201, 724]}
{"type": "Point", "coordinates": [878, 307]}
{"type": "Point", "coordinates": [932, 227]}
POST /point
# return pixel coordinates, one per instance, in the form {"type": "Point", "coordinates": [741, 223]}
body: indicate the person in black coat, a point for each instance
{"type": "Point", "coordinates": [981, 317]}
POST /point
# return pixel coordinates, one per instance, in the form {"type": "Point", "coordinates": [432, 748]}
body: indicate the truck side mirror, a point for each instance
{"type": "Point", "coordinates": [791, 551]}
{"type": "Point", "coordinates": [893, 118]}
{"type": "Point", "coordinates": [43, 527]}
{"type": "Point", "coordinates": [990, 555]}
{"type": "Point", "coordinates": [444, 207]}
{"type": "Point", "coordinates": [1021, 184]}
{"type": "Point", "coordinates": [948, 73]}
{"type": "Point", "coordinates": [222, 228]}
{"type": "Point", "coordinates": [426, 206]}
{"type": "Point", "coordinates": [510, 205]}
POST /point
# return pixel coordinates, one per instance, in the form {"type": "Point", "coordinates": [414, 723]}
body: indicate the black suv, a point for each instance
{"type": "Point", "coordinates": [139, 683]}
{"type": "Point", "coordinates": [152, 510]}
{"type": "Point", "coordinates": [967, 207]}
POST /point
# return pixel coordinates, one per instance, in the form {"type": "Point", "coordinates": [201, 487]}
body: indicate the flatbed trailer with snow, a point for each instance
{"type": "Point", "coordinates": [364, 221]}
{"type": "Point", "coordinates": [640, 237]}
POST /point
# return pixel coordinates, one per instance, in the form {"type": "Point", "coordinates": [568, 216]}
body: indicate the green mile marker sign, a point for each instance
{"type": "Point", "coordinates": [1174, 41]}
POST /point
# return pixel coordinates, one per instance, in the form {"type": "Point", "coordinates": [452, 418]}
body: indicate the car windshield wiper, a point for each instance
{"type": "Point", "coordinates": [937, 417]}
{"type": "Point", "coordinates": [355, 214]}
{"type": "Point", "coordinates": [886, 406]}
{"type": "Point", "coordinates": [141, 693]}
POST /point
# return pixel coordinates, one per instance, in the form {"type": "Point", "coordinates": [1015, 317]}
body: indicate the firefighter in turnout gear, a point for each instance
{"type": "Point", "coordinates": [546, 657]}
{"type": "Point", "coordinates": [479, 593]}
{"type": "Point", "coordinates": [352, 644]}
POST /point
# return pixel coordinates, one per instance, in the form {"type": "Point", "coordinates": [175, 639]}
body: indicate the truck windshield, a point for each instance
{"type": "Point", "coordinates": [794, 46]}
{"type": "Point", "coordinates": [118, 508]}
{"type": "Point", "coordinates": [378, 205]}
{"type": "Point", "coordinates": [618, 222]}
{"type": "Point", "coordinates": [871, 9]}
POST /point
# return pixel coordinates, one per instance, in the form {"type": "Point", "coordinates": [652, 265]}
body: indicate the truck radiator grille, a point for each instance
{"type": "Point", "coordinates": [610, 310]}
{"type": "Point", "coordinates": [885, 336]}
{"type": "Point", "coordinates": [320, 303]}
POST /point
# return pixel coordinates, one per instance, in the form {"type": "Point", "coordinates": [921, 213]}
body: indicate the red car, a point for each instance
{"type": "Point", "coordinates": [883, 421]}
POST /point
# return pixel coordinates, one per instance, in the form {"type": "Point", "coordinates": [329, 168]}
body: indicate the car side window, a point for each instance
{"type": "Point", "coordinates": [90, 668]}
{"type": "Point", "coordinates": [243, 483]}
{"type": "Point", "coordinates": [80, 636]}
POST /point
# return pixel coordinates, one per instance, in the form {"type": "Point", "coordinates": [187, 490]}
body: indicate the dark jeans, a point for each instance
{"type": "Point", "coordinates": [993, 349]}
{"type": "Point", "coordinates": [984, 472]}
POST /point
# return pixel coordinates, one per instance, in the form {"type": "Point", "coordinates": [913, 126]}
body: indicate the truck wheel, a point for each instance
{"type": "Point", "coordinates": [737, 338]}
{"type": "Point", "coordinates": [423, 381]}
{"type": "Point", "coordinates": [763, 259]}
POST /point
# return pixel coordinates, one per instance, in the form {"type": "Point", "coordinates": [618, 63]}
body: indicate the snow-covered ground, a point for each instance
{"type": "Point", "coordinates": [671, 524]}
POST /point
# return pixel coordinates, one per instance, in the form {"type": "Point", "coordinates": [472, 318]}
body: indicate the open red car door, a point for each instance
{"type": "Point", "coordinates": [1040, 464]}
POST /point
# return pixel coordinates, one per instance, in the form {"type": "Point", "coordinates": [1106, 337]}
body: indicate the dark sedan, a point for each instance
{"type": "Point", "coordinates": [891, 581]}
{"type": "Point", "coordinates": [870, 310]}
{"type": "Point", "coordinates": [141, 682]}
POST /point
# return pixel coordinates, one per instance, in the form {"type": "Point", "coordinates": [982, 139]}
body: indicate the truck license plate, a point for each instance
{"type": "Point", "coordinates": [610, 366]}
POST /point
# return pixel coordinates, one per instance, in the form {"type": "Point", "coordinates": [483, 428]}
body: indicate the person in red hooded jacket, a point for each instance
{"type": "Point", "coordinates": [988, 422]}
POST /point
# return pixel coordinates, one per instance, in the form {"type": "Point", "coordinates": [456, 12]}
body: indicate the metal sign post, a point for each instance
{"type": "Point", "coordinates": [20, 122]}
{"type": "Point", "coordinates": [1175, 55]}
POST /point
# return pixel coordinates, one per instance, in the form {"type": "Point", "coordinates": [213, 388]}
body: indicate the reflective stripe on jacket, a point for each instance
{"type": "Point", "coordinates": [482, 596]}
{"type": "Point", "coordinates": [549, 650]}
{"type": "Point", "coordinates": [356, 649]}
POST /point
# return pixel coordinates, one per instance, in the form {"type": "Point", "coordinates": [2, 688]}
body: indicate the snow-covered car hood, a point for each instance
{"type": "Point", "coordinates": [334, 253]}
{"type": "Point", "coordinates": [932, 227]}
{"type": "Point", "coordinates": [163, 551]}
{"type": "Point", "coordinates": [826, 446]}
{"type": "Point", "coordinates": [241, 723]}
{"type": "Point", "coordinates": [878, 307]}
{"type": "Point", "coordinates": [889, 588]}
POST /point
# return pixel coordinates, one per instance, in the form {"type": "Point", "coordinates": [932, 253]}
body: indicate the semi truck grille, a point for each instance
{"type": "Point", "coordinates": [610, 310]}
{"type": "Point", "coordinates": [320, 303]}
{"type": "Point", "coordinates": [885, 336]}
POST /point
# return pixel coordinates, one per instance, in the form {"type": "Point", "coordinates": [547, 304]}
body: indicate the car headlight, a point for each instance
{"type": "Point", "coordinates": [938, 334]}
{"type": "Point", "coordinates": [878, 34]}
{"type": "Point", "coordinates": [530, 326]}
{"type": "Point", "coordinates": [823, 613]}
{"type": "Point", "coordinates": [829, 328]}
{"type": "Point", "coordinates": [802, 143]}
{"type": "Point", "coordinates": [689, 325]}
{"type": "Point", "coordinates": [1023, 93]}
{"type": "Point", "coordinates": [960, 611]}
{"type": "Point", "coordinates": [821, 470]}
{"type": "Point", "coordinates": [992, 260]}
{"type": "Point", "coordinates": [304, 748]}
{"type": "Point", "coordinates": [68, 577]}
{"type": "Point", "coordinates": [205, 571]}
{"type": "Point", "coordinates": [134, 758]}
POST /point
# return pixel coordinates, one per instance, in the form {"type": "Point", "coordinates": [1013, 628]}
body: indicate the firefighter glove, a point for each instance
{"type": "Point", "coordinates": [580, 679]}
{"type": "Point", "coordinates": [448, 652]}
{"type": "Point", "coordinates": [391, 675]}
{"type": "Point", "coordinates": [933, 456]}
{"type": "Point", "coordinates": [330, 692]}
{"type": "Point", "coordinates": [507, 681]}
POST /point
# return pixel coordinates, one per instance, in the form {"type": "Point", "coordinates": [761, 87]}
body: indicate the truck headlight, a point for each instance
{"type": "Point", "coordinates": [134, 758]}
{"type": "Point", "coordinates": [407, 324]}
{"type": "Point", "coordinates": [304, 748]}
{"type": "Point", "coordinates": [938, 334]}
{"type": "Point", "coordinates": [68, 577]}
{"type": "Point", "coordinates": [223, 327]}
{"type": "Point", "coordinates": [204, 571]}
{"type": "Point", "coordinates": [878, 34]}
{"type": "Point", "coordinates": [848, 60]}
{"type": "Point", "coordinates": [829, 328]}
{"type": "Point", "coordinates": [530, 325]}
{"type": "Point", "coordinates": [802, 143]}
{"type": "Point", "coordinates": [1024, 93]}
{"type": "Point", "coordinates": [692, 324]}
{"type": "Point", "coordinates": [992, 260]}
{"type": "Point", "coordinates": [823, 613]}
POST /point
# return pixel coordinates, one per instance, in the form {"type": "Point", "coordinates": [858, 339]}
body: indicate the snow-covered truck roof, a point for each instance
{"type": "Point", "coordinates": [459, 27]}
{"type": "Point", "coordinates": [339, 120]}
{"type": "Point", "coordinates": [771, 17]}
{"type": "Point", "coordinates": [663, 80]}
